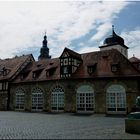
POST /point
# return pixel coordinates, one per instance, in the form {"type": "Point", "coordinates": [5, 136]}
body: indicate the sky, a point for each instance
{"type": "Point", "coordinates": [79, 25]}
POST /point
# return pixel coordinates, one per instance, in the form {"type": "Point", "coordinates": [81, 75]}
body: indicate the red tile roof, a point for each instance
{"type": "Point", "coordinates": [12, 65]}
{"type": "Point", "coordinates": [102, 59]}
{"type": "Point", "coordinates": [43, 65]}
{"type": "Point", "coordinates": [134, 59]}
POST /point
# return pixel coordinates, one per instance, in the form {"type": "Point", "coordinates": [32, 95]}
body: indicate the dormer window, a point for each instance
{"type": "Point", "coordinates": [5, 71]}
{"type": "Point", "coordinates": [50, 72]}
{"type": "Point", "coordinates": [39, 65]}
{"type": "Point", "coordinates": [115, 67]}
{"type": "Point", "coordinates": [138, 66]}
{"type": "Point", "coordinates": [24, 75]}
{"type": "Point", "coordinates": [36, 73]}
{"type": "Point", "coordinates": [91, 68]}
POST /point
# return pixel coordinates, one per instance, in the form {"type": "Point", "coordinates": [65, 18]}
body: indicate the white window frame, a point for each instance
{"type": "Point", "coordinates": [85, 100]}
{"type": "Point", "coordinates": [20, 99]}
{"type": "Point", "coordinates": [57, 99]}
{"type": "Point", "coordinates": [116, 100]}
{"type": "Point", "coordinates": [65, 69]}
{"type": "Point", "coordinates": [37, 100]}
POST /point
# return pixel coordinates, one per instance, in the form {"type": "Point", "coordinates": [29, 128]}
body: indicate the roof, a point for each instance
{"type": "Point", "coordinates": [12, 65]}
{"type": "Point", "coordinates": [72, 53]}
{"type": "Point", "coordinates": [134, 59]}
{"type": "Point", "coordinates": [102, 59]}
{"type": "Point", "coordinates": [43, 66]}
{"type": "Point", "coordinates": [113, 39]}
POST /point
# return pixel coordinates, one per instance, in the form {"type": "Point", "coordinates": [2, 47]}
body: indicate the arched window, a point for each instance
{"type": "Point", "coordinates": [37, 99]}
{"type": "Point", "coordinates": [20, 99]}
{"type": "Point", "coordinates": [85, 99]}
{"type": "Point", "coordinates": [57, 99]}
{"type": "Point", "coordinates": [116, 99]}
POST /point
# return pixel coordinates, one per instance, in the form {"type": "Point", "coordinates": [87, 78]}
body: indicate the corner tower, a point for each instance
{"type": "Point", "coordinates": [115, 42]}
{"type": "Point", "coordinates": [44, 51]}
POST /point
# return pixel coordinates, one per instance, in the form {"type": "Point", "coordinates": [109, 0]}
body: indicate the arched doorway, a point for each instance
{"type": "Point", "coordinates": [85, 99]}
{"type": "Point", "coordinates": [37, 99]}
{"type": "Point", "coordinates": [116, 99]}
{"type": "Point", "coordinates": [20, 99]}
{"type": "Point", "coordinates": [57, 99]}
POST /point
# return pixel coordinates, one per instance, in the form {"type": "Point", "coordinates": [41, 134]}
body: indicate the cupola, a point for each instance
{"type": "Point", "coordinates": [114, 41]}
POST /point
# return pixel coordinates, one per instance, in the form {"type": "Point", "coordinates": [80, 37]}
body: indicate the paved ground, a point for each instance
{"type": "Point", "coordinates": [23, 125]}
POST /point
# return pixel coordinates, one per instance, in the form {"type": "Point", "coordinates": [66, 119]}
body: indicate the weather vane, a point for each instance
{"type": "Point", "coordinates": [45, 32]}
{"type": "Point", "coordinates": [113, 27]}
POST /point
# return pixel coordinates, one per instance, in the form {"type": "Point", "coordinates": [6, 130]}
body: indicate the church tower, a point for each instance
{"type": "Point", "coordinates": [115, 42]}
{"type": "Point", "coordinates": [44, 51]}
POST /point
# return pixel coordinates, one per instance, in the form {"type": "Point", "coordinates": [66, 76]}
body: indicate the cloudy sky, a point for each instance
{"type": "Point", "coordinates": [78, 25]}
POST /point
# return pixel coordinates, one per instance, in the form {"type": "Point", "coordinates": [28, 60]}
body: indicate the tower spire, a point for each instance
{"type": "Point", "coordinates": [45, 41]}
{"type": "Point", "coordinates": [113, 30]}
{"type": "Point", "coordinates": [44, 51]}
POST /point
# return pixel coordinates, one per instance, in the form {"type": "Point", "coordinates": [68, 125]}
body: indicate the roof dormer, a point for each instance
{"type": "Point", "coordinates": [69, 62]}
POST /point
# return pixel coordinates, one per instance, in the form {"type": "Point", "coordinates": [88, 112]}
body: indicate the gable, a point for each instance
{"type": "Point", "coordinates": [12, 67]}
{"type": "Point", "coordinates": [64, 54]}
{"type": "Point", "coordinates": [70, 53]}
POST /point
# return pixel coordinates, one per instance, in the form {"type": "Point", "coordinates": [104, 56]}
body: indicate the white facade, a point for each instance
{"type": "Point", "coordinates": [120, 48]}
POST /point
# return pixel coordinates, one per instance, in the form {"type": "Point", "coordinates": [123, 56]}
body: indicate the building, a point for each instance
{"type": "Point", "coordinates": [104, 81]}
{"type": "Point", "coordinates": [9, 69]}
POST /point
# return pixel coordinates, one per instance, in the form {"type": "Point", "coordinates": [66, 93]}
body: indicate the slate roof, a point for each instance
{"type": "Point", "coordinates": [102, 59]}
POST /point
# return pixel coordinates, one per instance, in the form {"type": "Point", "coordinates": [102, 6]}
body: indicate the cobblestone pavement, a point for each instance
{"type": "Point", "coordinates": [24, 125]}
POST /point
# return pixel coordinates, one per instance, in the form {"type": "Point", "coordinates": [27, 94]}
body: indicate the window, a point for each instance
{"type": "Point", "coordinates": [4, 85]}
{"type": "Point", "coordinates": [65, 70]}
{"type": "Point", "coordinates": [20, 99]}
{"type": "Point", "coordinates": [24, 75]}
{"type": "Point", "coordinates": [91, 68]}
{"type": "Point", "coordinates": [138, 66]}
{"type": "Point", "coordinates": [125, 52]}
{"type": "Point", "coordinates": [57, 99]}
{"type": "Point", "coordinates": [5, 71]}
{"type": "Point", "coordinates": [0, 86]}
{"type": "Point", "coordinates": [116, 99]}
{"type": "Point", "coordinates": [36, 73]}
{"type": "Point", "coordinates": [50, 72]}
{"type": "Point", "coordinates": [85, 99]}
{"type": "Point", "coordinates": [37, 99]}
{"type": "Point", "coordinates": [66, 61]}
{"type": "Point", "coordinates": [115, 67]}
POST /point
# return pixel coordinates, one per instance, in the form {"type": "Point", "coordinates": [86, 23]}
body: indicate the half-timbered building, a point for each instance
{"type": "Point", "coordinates": [104, 81]}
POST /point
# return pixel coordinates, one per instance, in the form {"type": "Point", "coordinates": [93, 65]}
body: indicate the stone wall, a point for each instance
{"type": "Point", "coordinates": [70, 86]}
{"type": "Point", "coordinates": [3, 100]}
